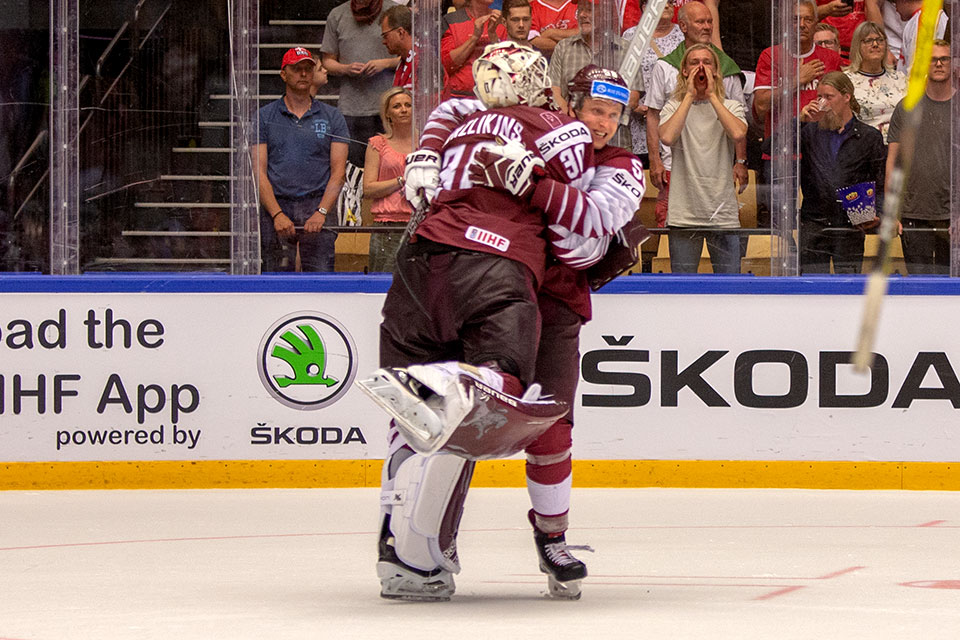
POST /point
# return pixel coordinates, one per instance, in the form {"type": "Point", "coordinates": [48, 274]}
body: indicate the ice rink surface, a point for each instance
{"type": "Point", "coordinates": [669, 563]}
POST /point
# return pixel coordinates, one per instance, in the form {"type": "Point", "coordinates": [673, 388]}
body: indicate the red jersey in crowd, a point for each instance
{"type": "Point", "coordinates": [404, 74]}
{"type": "Point", "coordinates": [546, 16]}
{"type": "Point", "coordinates": [767, 67]}
{"type": "Point", "coordinates": [846, 25]}
{"type": "Point", "coordinates": [459, 80]}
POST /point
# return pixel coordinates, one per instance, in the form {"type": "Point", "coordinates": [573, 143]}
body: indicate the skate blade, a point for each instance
{"type": "Point", "coordinates": [569, 590]}
{"type": "Point", "coordinates": [413, 418]}
{"type": "Point", "coordinates": [396, 583]}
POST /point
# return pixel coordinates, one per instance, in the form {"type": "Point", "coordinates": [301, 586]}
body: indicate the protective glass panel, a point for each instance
{"type": "Point", "coordinates": [153, 110]}
{"type": "Point", "coordinates": [24, 136]}
{"type": "Point", "coordinates": [703, 229]}
{"type": "Point", "coordinates": [154, 144]}
{"type": "Point", "coordinates": [955, 152]}
{"type": "Point", "coordinates": [349, 82]}
{"type": "Point", "coordinates": [244, 136]}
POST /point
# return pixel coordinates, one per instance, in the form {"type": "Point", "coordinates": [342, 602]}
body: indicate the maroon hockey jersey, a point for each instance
{"type": "Point", "coordinates": [491, 221]}
{"type": "Point", "coordinates": [616, 185]}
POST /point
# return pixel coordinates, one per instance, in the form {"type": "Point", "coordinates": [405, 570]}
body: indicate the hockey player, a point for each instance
{"type": "Point", "coordinates": [613, 196]}
{"type": "Point", "coordinates": [597, 97]}
{"type": "Point", "coordinates": [465, 292]}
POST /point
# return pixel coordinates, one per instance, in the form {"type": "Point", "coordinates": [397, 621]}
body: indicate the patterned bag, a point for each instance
{"type": "Point", "coordinates": [859, 202]}
{"type": "Point", "coordinates": [351, 198]}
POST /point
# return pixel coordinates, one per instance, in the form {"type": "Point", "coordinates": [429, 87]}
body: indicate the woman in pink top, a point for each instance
{"type": "Point", "coordinates": [383, 176]}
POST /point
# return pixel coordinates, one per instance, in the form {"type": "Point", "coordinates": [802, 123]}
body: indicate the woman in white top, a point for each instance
{"type": "Point", "coordinates": [877, 85]}
{"type": "Point", "coordinates": [701, 128]}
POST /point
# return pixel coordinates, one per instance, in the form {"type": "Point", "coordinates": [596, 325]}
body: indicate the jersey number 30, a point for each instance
{"type": "Point", "coordinates": [572, 159]}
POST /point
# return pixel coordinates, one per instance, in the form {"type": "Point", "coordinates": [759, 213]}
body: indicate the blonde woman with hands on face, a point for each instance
{"type": "Point", "coordinates": [702, 128]}
{"type": "Point", "coordinates": [383, 176]}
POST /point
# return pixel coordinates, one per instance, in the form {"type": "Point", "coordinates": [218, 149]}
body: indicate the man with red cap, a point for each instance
{"type": "Point", "coordinates": [301, 162]}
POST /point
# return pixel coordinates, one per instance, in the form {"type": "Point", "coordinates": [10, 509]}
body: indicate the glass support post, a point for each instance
{"type": "Point", "coordinates": [244, 136]}
{"type": "Point", "coordinates": [784, 179]}
{"type": "Point", "coordinates": [427, 70]}
{"type": "Point", "coordinates": [64, 137]}
{"type": "Point", "coordinates": [955, 147]}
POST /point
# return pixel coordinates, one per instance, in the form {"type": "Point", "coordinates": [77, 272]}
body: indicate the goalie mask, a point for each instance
{"type": "Point", "coordinates": [508, 74]}
{"type": "Point", "coordinates": [596, 82]}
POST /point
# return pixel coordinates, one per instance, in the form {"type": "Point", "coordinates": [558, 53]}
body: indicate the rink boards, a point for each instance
{"type": "Point", "coordinates": [220, 381]}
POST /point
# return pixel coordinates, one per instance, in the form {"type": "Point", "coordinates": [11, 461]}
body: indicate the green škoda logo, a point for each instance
{"type": "Point", "coordinates": [307, 360]}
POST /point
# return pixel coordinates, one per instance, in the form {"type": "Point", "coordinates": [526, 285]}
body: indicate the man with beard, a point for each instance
{"type": "Point", "coordinates": [838, 152]}
{"type": "Point", "coordinates": [812, 63]}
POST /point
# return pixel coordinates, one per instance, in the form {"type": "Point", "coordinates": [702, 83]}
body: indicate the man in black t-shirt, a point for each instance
{"type": "Point", "coordinates": [925, 212]}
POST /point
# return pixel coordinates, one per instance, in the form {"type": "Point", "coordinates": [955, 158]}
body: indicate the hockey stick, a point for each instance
{"type": "Point", "coordinates": [630, 65]}
{"type": "Point", "coordinates": [876, 287]}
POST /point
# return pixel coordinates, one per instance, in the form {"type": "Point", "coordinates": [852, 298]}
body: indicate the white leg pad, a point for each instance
{"type": "Point", "coordinates": [424, 492]}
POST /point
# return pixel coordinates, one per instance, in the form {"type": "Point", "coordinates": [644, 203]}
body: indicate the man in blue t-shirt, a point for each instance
{"type": "Point", "coordinates": [301, 163]}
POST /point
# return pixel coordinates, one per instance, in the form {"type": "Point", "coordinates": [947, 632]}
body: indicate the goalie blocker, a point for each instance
{"type": "Point", "coordinates": [453, 408]}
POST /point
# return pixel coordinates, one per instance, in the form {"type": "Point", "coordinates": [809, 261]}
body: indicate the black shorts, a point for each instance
{"type": "Point", "coordinates": [454, 304]}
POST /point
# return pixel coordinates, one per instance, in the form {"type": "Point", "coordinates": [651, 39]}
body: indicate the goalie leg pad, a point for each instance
{"type": "Point", "coordinates": [500, 424]}
{"type": "Point", "coordinates": [425, 502]}
{"type": "Point", "coordinates": [461, 409]}
{"type": "Point", "coordinates": [426, 402]}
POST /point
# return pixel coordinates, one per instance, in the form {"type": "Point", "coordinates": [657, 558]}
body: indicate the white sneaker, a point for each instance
{"type": "Point", "coordinates": [427, 402]}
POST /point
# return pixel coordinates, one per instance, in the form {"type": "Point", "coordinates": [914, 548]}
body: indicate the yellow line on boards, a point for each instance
{"type": "Point", "coordinates": [275, 474]}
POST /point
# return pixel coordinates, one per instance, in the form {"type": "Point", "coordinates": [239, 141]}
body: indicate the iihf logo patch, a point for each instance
{"type": "Point", "coordinates": [488, 238]}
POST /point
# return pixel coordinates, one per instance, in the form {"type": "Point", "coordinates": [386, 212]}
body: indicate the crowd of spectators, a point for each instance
{"type": "Point", "coordinates": [852, 62]}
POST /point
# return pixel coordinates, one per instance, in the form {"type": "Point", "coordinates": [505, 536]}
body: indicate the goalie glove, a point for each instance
{"type": "Point", "coordinates": [509, 167]}
{"type": "Point", "coordinates": [421, 177]}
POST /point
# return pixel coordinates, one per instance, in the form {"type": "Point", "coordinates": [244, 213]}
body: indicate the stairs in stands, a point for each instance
{"type": "Point", "coordinates": [181, 221]}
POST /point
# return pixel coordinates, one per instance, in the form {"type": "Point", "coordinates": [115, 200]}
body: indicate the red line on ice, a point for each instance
{"type": "Point", "coordinates": [193, 539]}
{"type": "Point", "coordinates": [932, 523]}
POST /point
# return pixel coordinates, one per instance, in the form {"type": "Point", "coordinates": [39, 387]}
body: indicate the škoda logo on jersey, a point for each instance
{"type": "Point", "coordinates": [307, 360]}
{"type": "Point", "coordinates": [555, 142]}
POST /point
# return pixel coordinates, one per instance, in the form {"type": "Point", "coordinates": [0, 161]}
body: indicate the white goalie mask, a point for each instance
{"type": "Point", "coordinates": [508, 73]}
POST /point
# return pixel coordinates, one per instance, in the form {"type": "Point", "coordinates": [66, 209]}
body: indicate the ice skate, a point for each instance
{"type": "Point", "coordinates": [399, 581]}
{"type": "Point", "coordinates": [426, 401]}
{"type": "Point", "coordinates": [564, 571]}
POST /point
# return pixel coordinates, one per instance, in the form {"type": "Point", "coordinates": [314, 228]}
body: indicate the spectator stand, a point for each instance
{"type": "Point", "coordinates": [170, 190]}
